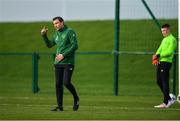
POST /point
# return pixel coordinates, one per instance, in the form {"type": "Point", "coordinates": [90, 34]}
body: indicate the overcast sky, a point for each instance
{"type": "Point", "coordinates": [45, 10]}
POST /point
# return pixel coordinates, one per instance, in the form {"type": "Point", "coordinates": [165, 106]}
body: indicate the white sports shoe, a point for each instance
{"type": "Point", "coordinates": [163, 105]}
{"type": "Point", "coordinates": [170, 102]}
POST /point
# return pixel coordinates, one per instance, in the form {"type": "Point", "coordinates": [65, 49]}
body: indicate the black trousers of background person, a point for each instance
{"type": "Point", "coordinates": [163, 69]}
{"type": "Point", "coordinates": [63, 74]}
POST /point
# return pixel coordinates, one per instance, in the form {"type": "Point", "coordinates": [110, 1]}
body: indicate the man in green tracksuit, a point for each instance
{"type": "Point", "coordinates": [66, 41]}
{"type": "Point", "coordinates": [163, 60]}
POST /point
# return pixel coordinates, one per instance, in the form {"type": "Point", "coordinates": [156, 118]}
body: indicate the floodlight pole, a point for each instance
{"type": "Point", "coordinates": [116, 47]}
{"type": "Point", "coordinates": [151, 13]}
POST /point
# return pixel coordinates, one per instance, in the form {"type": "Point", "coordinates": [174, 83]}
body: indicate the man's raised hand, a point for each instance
{"type": "Point", "coordinates": [44, 30]}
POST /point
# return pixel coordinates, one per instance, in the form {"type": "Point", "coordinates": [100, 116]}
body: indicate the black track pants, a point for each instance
{"type": "Point", "coordinates": [63, 74]}
{"type": "Point", "coordinates": [163, 69]}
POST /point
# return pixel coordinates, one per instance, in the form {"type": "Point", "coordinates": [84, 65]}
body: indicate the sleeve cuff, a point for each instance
{"type": "Point", "coordinates": [158, 55]}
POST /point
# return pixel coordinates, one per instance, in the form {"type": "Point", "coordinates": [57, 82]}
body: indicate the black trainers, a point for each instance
{"type": "Point", "coordinates": [57, 109]}
{"type": "Point", "coordinates": [76, 105]}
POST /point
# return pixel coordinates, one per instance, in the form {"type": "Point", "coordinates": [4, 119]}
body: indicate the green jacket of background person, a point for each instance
{"type": "Point", "coordinates": [66, 42]}
{"type": "Point", "coordinates": [167, 48]}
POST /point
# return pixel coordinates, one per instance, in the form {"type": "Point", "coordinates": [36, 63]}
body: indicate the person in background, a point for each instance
{"type": "Point", "coordinates": [163, 59]}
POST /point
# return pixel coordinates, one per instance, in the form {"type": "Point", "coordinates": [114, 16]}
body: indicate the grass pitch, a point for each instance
{"type": "Point", "coordinates": [93, 75]}
{"type": "Point", "coordinates": [91, 108]}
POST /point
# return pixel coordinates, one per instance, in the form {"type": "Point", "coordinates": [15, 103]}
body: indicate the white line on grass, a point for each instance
{"type": "Point", "coordinates": [95, 107]}
{"type": "Point", "coordinates": [26, 98]}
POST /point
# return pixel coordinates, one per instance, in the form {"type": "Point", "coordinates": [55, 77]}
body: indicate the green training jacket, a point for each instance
{"type": "Point", "coordinates": [66, 42]}
{"type": "Point", "coordinates": [167, 49]}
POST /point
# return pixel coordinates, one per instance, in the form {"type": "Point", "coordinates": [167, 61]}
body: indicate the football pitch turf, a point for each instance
{"type": "Point", "coordinates": [37, 107]}
{"type": "Point", "coordinates": [93, 75]}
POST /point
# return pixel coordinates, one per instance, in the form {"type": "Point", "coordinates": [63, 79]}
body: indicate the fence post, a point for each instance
{"type": "Point", "coordinates": [116, 48]}
{"type": "Point", "coordinates": [53, 55]}
{"type": "Point", "coordinates": [35, 58]}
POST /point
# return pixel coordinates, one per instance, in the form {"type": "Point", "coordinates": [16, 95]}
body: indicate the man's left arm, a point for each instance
{"type": "Point", "coordinates": [73, 43]}
{"type": "Point", "coordinates": [170, 50]}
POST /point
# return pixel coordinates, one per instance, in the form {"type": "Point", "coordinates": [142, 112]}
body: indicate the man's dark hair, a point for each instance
{"type": "Point", "coordinates": [59, 18]}
{"type": "Point", "coordinates": [165, 26]}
